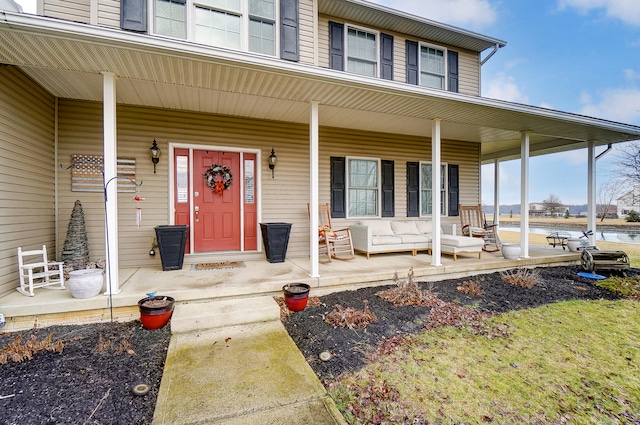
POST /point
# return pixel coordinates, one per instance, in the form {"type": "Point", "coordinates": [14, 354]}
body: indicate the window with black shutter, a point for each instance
{"type": "Point", "coordinates": [133, 15]}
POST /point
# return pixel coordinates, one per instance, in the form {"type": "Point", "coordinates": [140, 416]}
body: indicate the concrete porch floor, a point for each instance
{"type": "Point", "coordinates": [258, 278]}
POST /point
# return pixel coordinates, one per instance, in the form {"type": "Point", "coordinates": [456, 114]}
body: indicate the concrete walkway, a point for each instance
{"type": "Point", "coordinates": [247, 374]}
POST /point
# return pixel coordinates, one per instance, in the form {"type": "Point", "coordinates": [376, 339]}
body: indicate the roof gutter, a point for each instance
{"type": "Point", "coordinates": [493, 52]}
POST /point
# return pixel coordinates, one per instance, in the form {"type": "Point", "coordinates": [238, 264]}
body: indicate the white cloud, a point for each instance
{"type": "Point", "coordinates": [622, 105]}
{"type": "Point", "coordinates": [631, 75]}
{"type": "Point", "coordinates": [625, 10]}
{"type": "Point", "coordinates": [504, 87]}
{"type": "Point", "coordinates": [465, 13]}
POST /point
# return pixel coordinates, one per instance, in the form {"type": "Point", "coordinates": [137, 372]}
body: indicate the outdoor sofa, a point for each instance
{"type": "Point", "coordinates": [380, 236]}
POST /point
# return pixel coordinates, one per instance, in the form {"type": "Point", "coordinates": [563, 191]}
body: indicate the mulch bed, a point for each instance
{"type": "Point", "coordinates": [350, 348]}
{"type": "Point", "coordinates": [91, 380]}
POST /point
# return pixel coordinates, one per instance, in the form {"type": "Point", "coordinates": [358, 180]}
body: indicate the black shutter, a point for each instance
{"type": "Point", "coordinates": [133, 15]}
{"type": "Point", "coordinates": [336, 46]}
{"type": "Point", "coordinates": [453, 70]}
{"type": "Point", "coordinates": [289, 30]}
{"type": "Point", "coordinates": [386, 56]}
{"type": "Point", "coordinates": [454, 190]}
{"type": "Point", "coordinates": [413, 189]}
{"type": "Point", "coordinates": [338, 187]}
{"type": "Point", "coordinates": [412, 63]}
{"type": "Point", "coordinates": [388, 189]}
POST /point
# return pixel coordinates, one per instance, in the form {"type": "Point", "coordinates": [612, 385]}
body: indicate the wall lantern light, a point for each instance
{"type": "Point", "coordinates": [273, 160]}
{"type": "Point", "coordinates": [154, 153]}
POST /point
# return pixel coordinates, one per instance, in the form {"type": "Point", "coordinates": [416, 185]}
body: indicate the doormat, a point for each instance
{"type": "Point", "coordinates": [219, 265]}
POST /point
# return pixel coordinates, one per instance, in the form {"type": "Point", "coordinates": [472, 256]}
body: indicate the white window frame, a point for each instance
{"type": "Point", "coordinates": [446, 64]}
{"type": "Point", "coordinates": [444, 192]}
{"type": "Point", "coordinates": [190, 12]}
{"type": "Point", "coordinates": [378, 188]}
{"type": "Point", "coordinates": [346, 48]}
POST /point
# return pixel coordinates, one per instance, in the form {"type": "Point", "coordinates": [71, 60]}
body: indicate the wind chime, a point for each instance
{"type": "Point", "coordinates": [137, 199]}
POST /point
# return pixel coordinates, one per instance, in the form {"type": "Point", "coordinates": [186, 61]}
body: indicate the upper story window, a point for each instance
{"type": "Point", "coordinates": [362, 52]}
{"type": "Point", "coordinates": [363, 187]}
{"type": "Point", "coordinates": [235, 24]}
{"type": "Point", "coordinates": [433, 67]}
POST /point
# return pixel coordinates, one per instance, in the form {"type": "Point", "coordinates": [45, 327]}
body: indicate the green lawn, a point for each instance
{"type": "Point", "coordinates": [573, 362]}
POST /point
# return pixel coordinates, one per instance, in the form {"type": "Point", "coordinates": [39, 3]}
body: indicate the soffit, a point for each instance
{"type": "Point", "coordinates": [385, 18]}
{"type": "Point", "coordinates": [208, 80]}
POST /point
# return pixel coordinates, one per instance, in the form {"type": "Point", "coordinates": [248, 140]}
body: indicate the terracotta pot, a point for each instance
{"type": "Point", "coordinates": [296, 295]}
{"type": "Point", "coordinates": [85, 283]}
{"type": "Point", "coordinates": [155, 311]}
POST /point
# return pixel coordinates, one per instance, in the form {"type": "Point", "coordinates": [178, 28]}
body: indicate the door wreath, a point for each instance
{"type": "Point", "coordinates": [218, 178]}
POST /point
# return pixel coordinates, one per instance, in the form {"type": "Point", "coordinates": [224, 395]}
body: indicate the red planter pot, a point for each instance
{"type": "Point", "coordinates": [155, 311]}
{"type": "Point", "coordinates": [296, 295]}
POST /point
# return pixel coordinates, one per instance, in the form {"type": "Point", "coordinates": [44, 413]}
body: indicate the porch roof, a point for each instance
{"type": "Point", "coordinates": [68, 58]}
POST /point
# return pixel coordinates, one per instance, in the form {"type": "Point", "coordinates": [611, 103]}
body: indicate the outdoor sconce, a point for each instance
{"type": "Point", "coordinates": [154, 153]}
{"type": "Point", "coordinates": [273, 160]}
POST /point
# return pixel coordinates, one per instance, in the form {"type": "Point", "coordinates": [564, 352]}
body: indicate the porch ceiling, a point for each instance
{"type": "Point", "coordinates": [67, 60]}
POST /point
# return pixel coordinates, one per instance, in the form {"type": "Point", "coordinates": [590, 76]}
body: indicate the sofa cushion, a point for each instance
{"type": "Point", "coordinates": [410, 239]}
{"type": "Point", "coordinates": [404, 228]}
{"type": "Point", "coordinates": [424, 226]}
{"type": "Point", "coordinates": [385, 240]}
{"type": "Point", "coordinates": [461, 241]}
{"type": "Point", "coordinates": [378, 227]}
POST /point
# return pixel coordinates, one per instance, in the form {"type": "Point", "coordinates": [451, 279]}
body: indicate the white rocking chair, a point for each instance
{"type": "Point", "coordinates": [39, 273]}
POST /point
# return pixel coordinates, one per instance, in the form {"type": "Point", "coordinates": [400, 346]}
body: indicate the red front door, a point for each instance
{"type": "Point", "coordinates": [216, 217]}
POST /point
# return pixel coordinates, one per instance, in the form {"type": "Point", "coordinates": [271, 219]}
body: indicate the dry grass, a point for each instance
{"type": "Point", "coordinates": [632, 250]}
{"type": "Point", "coordinates": [570, 362]}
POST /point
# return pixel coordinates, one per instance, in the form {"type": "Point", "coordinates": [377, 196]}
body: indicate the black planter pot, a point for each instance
{"type": "Point", "coordinates": [275, 237]}
{"type": "Point", "coordinates": [171, 243]}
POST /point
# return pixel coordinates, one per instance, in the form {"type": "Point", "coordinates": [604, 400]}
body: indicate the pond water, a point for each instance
{"type": "Point", "coordinates": [626, 236]}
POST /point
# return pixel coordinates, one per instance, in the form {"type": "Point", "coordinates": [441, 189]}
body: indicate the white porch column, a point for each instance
{"type": "Point", "coordinates": [496, 191]}
{"type": "Point", "coordinates": [314, 141]}
{"type": "Point", "coordinates": [591, 191]}
{"type": "Point", "coordinates": [110, 178]}
{"type": "Point", "coordinates": [524, 194]}
{"type": "Point", "coordinates": [436, 252]}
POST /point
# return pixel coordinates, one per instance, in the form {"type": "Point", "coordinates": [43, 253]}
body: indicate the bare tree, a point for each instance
{"type": "Point", "coordinates": [608, 192]}
{"type": "Point", "coordinates": [552, 205]}
{"type": "Point", "coordinates": [629, 165]}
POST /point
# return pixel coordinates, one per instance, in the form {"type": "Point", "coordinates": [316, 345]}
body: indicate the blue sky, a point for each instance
{"type": "Point", "coordinates": [580, 56]}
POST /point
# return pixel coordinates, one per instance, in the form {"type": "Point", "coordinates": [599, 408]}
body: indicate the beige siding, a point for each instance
{"type": "Point", "coordinates": [27, 170]}
{"type": "Point", "coordinates": [400, 149]}
{"type": "Point", "coordinates": [80, 132]}
{"type": "Point", "coordinates": [469, 71]}
{"type": "Point", "coordinates": [284, 198]}
{"type": "Point", "coordinates": [70, 10]}
{"type": "Point", "coordinates": [468, 62]}
{"type": "Point", "coordinates": [307, 32]}
{"type": "Point", "coordinates": [109, 13]}
{"type": "Point", "coordinates": [323, 40]}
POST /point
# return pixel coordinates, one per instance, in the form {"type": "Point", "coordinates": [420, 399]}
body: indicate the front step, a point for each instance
{"type": "Point", "coordinates": [221, 313]}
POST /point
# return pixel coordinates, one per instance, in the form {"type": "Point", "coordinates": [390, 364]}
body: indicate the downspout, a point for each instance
{"type": "Point", "coordinates": [493, 52]}
{"type": "Point", "coordinates": [604, 152]}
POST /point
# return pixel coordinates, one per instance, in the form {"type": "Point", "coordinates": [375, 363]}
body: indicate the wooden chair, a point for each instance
{"type": "Point", "coordinates": [36, 271]}
{"type": "Point", "coordinates": [474, 224]}
{"type": "Point", "coordinates": [334, 243]}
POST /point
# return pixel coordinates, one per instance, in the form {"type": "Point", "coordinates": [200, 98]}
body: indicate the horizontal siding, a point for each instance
{"type": "Point", "coordinates": [284, 198]}
{"type": "Point", "coordinates": [70, 10]}
{"type": "Point", "coordinates": [109, 13]}
{"type": "Point", "coordinates": [400, 149]}
{"type": "Point", "coordinates": [469, 71]}
{"type": "Point", "coordinates": [469, 65]}
{"type": "Point", "coordinates": [307, 32]}
{"type": "Point", "coordinates": [27, 170]}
